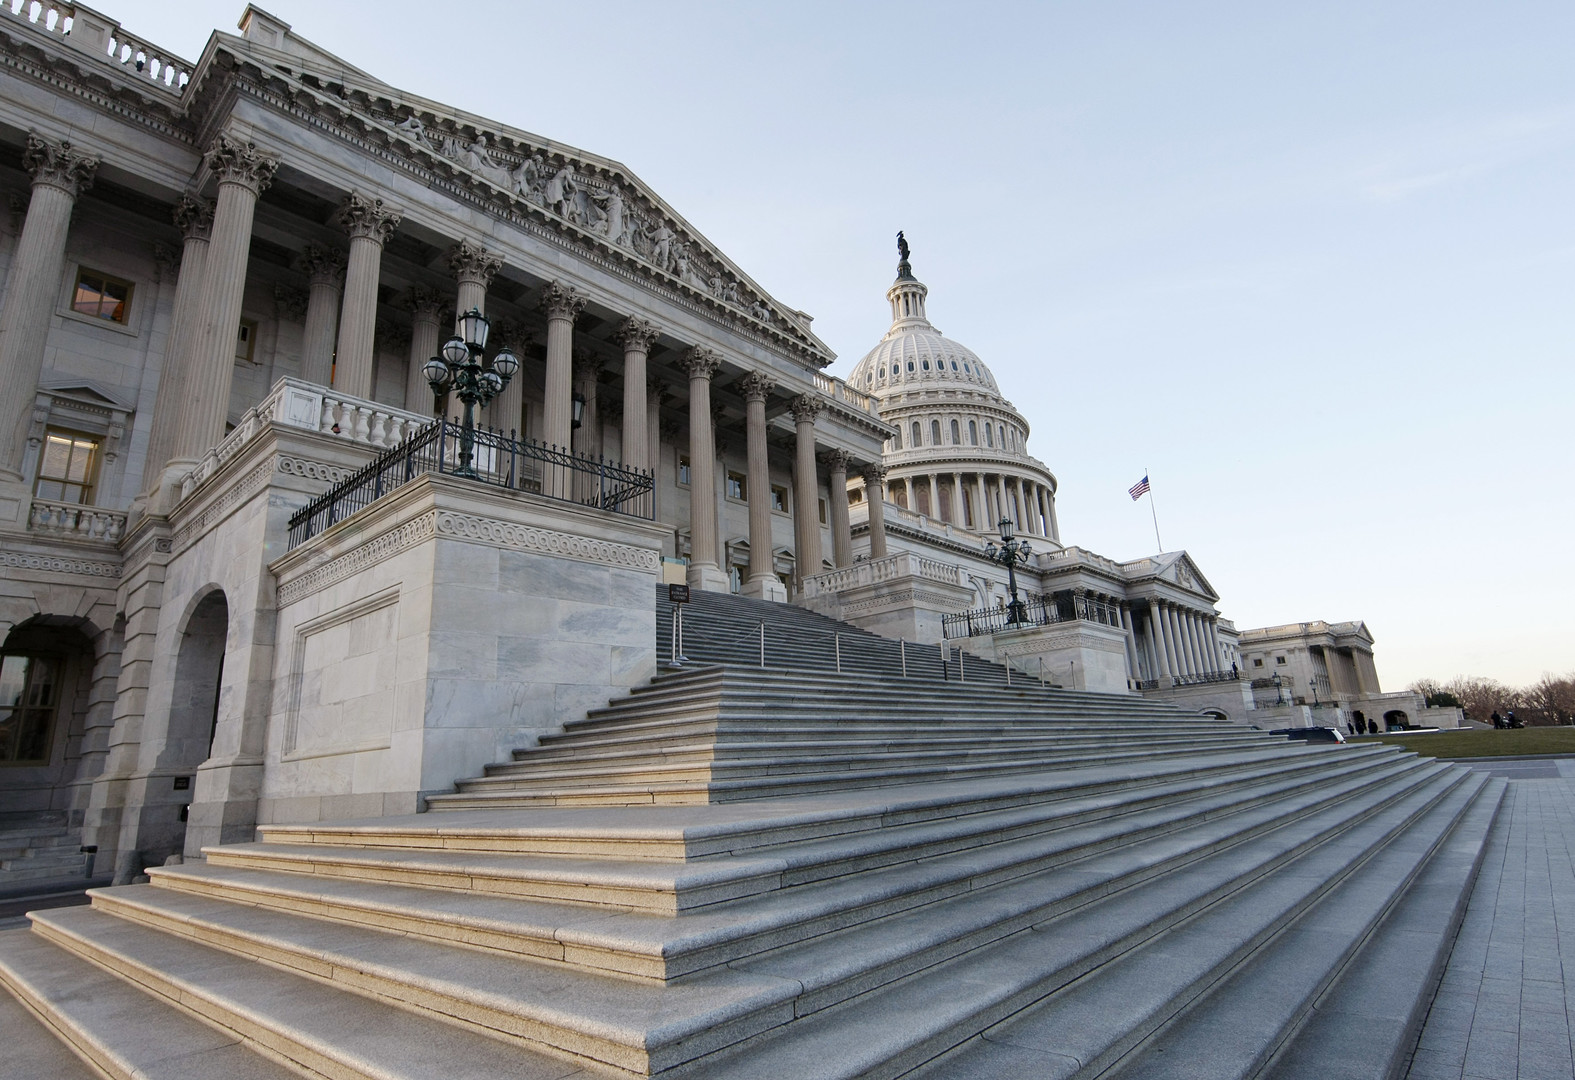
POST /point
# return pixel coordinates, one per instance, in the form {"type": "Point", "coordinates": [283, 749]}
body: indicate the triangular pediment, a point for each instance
{"type": "Point", "coordinates": [89, 393]}
{"type": "Point", "coordinates": [1177, 568]}
{"type": "Point", "coordinates": [592, 201]}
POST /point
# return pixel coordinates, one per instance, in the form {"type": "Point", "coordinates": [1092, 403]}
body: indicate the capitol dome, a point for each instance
{"type": "Point", "coordinates": [961, 455]}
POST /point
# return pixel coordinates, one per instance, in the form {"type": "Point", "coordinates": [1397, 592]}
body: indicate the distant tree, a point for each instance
{"type": "Point", "coordinates": [1552, 699]}
{"type": "Point", "coordinates": [1434, 696]}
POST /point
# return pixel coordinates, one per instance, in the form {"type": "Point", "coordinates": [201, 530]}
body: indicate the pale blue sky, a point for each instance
{"type": "Point", "coordinates": [1313, 267]}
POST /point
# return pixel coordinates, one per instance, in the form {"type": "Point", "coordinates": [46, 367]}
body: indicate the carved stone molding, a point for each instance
{"type": "Point", "coordinates": [805, 408]}
{"type": "Point", "coordinates": [755, 386]}
{"type": "Point", "coordinates": [427, 304]}
{"type": "Point", "coordinates": [361, 216]}
{"type": "Point", "coordinates": [371, 553]}
{"type": "Point", "coordinates": [307, 469]}
{"type": "Point", "coordinates": [473, 264]}
{"type": "Point", "coordinates": [235, 162]}
{"type": "Point", "coordinates": [874, 475]}
{"type": "Point", "coordinates": [291, 303]}
{"type": "Point", "coordinates": [220, 508]}
{"type": "Point", "coordinates": [193, 217]}
{"type": "Point", "coordinates": [560, 301]}
{"type": "Point", "coordinates": [700, 362]}
{"type": "Point", "coordinates": [27, 560]}
{"type": "Point", "coordinates": [636, 335]}
{"type": "Point", "coordinates": [323, 265]}
{"type": "Point", "coordinates": [56, 164]}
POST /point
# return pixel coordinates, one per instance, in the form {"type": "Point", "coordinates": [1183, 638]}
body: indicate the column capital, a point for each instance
{"type": "Point", "coordinates": [363, 216]}
{"type": "Point", "coordinates": [805, 408]}
{"type": "Point", "coordinates": [560, 301]}
{"type": "Point", "coordinates": [700, 362]}
{"type": "Point", "coordinates": [164, 260]}
{"type": "Point", "coordinates": [755, 386]}
{"type": "Point", "coordinates": [473, 264]}
{"type": "Point", "coordinates": [57, 164]}
{"type": "Point", "coordinates": [291, 303]}
{"type": "Point", "coordinates": [511, 334]}
{"type": "Point", "coordinates": [835, 460]}
{"type": "Point", "coordinates": [234, 161]}
{"type": "Point", "coordinates": [636, 335]}
{"type": "Point", "coordinates": [587, 365]}
{"type": "Point", "coordinates": [425, 303]}
{"type": "Point", "coordinates": [323, 265]}
{"type": "Point", "coordinates": [193, 216]}
{"type": "Point", "coordinates": [874, 473]}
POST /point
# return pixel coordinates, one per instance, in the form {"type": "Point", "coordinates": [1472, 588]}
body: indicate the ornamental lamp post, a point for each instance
{"type": "Point", "coordinates": [1279, 695]}
{"type": "Point", "coordinates": [1011, 552]}
{"type": "Point", "coordinates": [459, 364]}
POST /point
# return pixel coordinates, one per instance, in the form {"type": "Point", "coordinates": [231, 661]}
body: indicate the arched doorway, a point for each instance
{"type": "Point", "coordinates": [1395, 720]}
{"type": "Point", "coordinates": [194, 711]}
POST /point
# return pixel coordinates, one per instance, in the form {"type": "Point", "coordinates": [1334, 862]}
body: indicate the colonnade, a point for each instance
{"type": "Point", "coordinates": [1180, 642]}
{"type": "Point", "coordinates": [338, 349]}
{"type": "Point", "coordinates": [980, 500]}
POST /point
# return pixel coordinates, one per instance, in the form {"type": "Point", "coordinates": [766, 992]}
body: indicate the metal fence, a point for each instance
{"type": "Point", "coordinates": [1044, 611]}
{"type": "Point", "coordinates": [499, 460]}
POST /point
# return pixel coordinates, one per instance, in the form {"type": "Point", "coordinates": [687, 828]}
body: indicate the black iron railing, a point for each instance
{"type": "Point", "coordinates": [499, 460]}
{"type": "Point", "coordinates": [1040, 612]}
{"type": "Point", "coordinates": [1206, 677]}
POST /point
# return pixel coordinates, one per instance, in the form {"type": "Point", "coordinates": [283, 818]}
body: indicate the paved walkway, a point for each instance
{"type": "Point", "coordinates": [1502, 1011]}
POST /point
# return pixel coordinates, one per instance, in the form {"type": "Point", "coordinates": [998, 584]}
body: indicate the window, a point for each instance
{"type": "Point", "coordinates": [683, 470]}
{"type": "Point", "coordinates": [989, 436]}
{"type": "Point", "coordinates": [973, 433]}
{"type": "Point", "coordinates": [910, 365]}
{"type": "Point", "coordinates": [68, 467]}
{"type": "Point", "coordinates": [246, 340]}
{"type": "Point", "coordinates": [1003, 436]}
{"type": "Point", "coordinates": [954, 365]}
{"type": "Point", "coordinates": [822, 511]}
{"type": "Point", "coordinates": [956, 437]}
{"type": "Point", "coordinates": [918, 437]}
{"type": "Point", "coordinates": [1279, 659]}
{"type": "Point", "coordinates": [102, 297]}
{"type": "Point", "coordinates": [856, 495]}
{"type": "Point", "coordinates": [896, 442]}
{"type": "Point", "coordinates": [926, 365]}
{"type": "Point", "coordinates": [779, 499]}
{"type": "Point", "coordinates": [737, 486]}
{"type": "Point", "coordinates": [935, 432]}
{"type": "Point", "coordinates": [1257, 662]}
{"type": "Point", "coordinates": [27, 709]}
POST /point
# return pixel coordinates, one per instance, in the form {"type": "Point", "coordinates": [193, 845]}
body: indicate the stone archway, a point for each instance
{"type": "Point", "coordinates": [193, 719]}
{"type": "Point", "coordinates": [1395, 719]}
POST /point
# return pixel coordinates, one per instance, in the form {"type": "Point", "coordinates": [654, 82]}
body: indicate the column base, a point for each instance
{"type": "Point", "coordinates": [766, 587]}
{"type": "Point", "coordinates": [708, 577]}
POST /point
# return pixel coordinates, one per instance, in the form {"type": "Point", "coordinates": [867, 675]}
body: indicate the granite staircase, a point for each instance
{"type": "Point", "coordinates": [742, 872]}
{"type": "Point", "coordinates": [38, 848]}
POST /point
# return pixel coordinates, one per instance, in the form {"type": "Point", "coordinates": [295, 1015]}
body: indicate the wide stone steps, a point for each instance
{"type": "Point", "coordinates": [913, 918]}
{"type": "Point", "coordinates": [1128, 951]}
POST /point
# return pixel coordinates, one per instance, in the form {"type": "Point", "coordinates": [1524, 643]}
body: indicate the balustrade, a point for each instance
{"type": "Point", "coordinates": [90, 32]}
{"type": "Point", "coordinates": [75, 521]}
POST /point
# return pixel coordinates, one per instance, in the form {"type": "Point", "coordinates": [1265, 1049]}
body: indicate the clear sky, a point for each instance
{"type": "Point", "coordinates": [1311, 266]}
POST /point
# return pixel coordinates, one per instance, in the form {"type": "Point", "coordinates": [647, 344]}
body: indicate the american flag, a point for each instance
{"type": "Point", "coordinates": [1139, 489]}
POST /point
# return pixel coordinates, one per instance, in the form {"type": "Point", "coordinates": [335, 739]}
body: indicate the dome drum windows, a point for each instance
{"type": "Point", "coordinates": [935, 432]}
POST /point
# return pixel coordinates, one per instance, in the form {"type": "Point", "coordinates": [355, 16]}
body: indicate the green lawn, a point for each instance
{"type": "Point", "coordinates": [1457, 744]}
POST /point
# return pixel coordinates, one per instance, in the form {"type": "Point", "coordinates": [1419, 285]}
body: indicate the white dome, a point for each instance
{"type": "Point", "coordinates": [914, 352]}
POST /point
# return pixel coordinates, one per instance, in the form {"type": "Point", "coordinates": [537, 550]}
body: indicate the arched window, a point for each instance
{"type": "Point", "coordinates": [896, 442]}
{"type": "Point", "coordinates": [1003, 436]}
{"type": "Point", "coordinates": [918, 439]}
{"type": "Point", "coordinates": [954, 365]}
{"type": "Point", "coordinates": [895, 370]}
{"type": "Point", "coordinates": [935, 433]}
{"type": "Point", "coordinates": [956, 438]}
{"type": "Point", "coordinates": [910, 365]}
{"type": "Point", "coordinates": [973, 433]}
{"type": "Point", "coordinates": [926, 365]}
{"type": "Point", "coordinates": [989, 436]}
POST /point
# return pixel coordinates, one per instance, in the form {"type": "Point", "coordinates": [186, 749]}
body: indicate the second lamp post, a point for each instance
{"type": "Point", "coordinates": [1011, 552]}
{"type": "Point", "coordinates": [460, 364]}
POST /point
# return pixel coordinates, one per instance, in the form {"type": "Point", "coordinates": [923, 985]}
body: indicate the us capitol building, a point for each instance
{"type": "Point", "coordinates": [224, 282]}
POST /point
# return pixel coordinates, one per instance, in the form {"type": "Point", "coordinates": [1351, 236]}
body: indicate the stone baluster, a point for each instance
{"type": "Point", "coordinates": [763, 581]}
{"type": "Point", "coordinates": [60, 174]}
{"type": "Point", "coordinates": [243, 172]}
{"type": "Point", "coordinates": [875, 497]}
{"type": "Point", "coordinates": [427, 308]}
{"type": "Point", "coordinates": [637, 336]}
{"type": "Point", "coordinates": [325, 275]}
{"type": "Point", "coordinates": [837, 491]}
{"type": "Point", "coordinates": [562, 306]}
{"type": "Point", "coordinates": [705, 571]}
{"type": "Point", "coordinates": [195, 219]}
{"type": "Point", "coordinates": [369, 224]}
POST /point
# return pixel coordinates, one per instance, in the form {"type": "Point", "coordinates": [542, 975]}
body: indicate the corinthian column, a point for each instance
{"type": "Point", "coordinates": [1156, 634]}
{"type": "Point", "coordinates": [426, 315]}
{"type": "Point", "coordinates": [195, 219]}
{"type": "Point", "coordinates": [243, 172]}
{"type": "Point", "coordinates": [562, 306]}
{"type": "Point", "coordinates": [60, 174]}
{"type": "Point", "coordinates": [705, 572]}
{"type": "Point", "coordinates": [369, 224]}
{"type": "Point", "coordinates": [875, 497]}
{"type": "Point", "coordinates": [837, 491]}
{"type": "Point", "coordinates": [636, 336]}
{"type": "Point", "coordinates": [763, 581]}
{"type": "Point", "coordinates": [325, 271]}
{"type": "Point", "coordinates": [806, 509]}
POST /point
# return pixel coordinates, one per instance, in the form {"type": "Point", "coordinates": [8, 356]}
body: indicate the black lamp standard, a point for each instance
{"type": "Point", "coordinates": [1279, 695]}
{"type": "Point", "coordinates": [460, 364]}
{"type": "Point", "coordinates": [1011, 552]}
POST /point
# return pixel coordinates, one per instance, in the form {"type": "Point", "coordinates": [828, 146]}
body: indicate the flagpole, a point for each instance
{"type": "Point", "coordinates": [1157, 541]}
